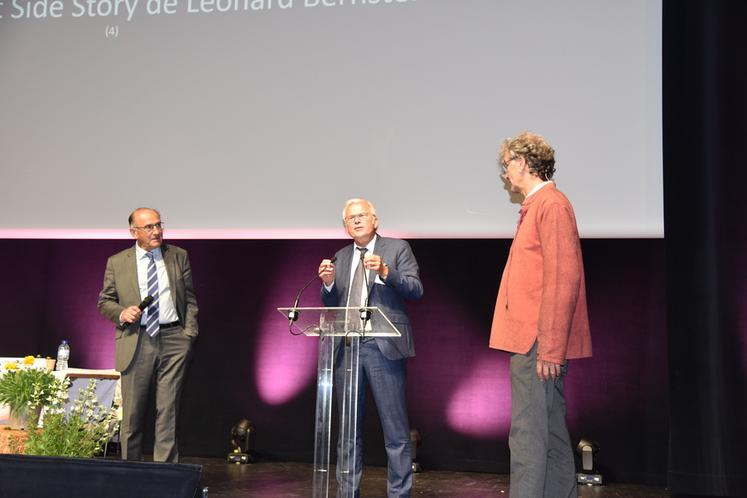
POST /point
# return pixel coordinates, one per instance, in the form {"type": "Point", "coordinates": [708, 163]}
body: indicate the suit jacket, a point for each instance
{"type": "Point", "coordinates": [542, 296]}
{"type": "Point", "coordinates": [403, 282]}
{"type": "Point", "coordinates": [121, 290]}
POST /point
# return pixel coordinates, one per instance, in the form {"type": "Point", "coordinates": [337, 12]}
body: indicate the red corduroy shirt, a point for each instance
{"type": "Point", "coordinates": [543, 294]}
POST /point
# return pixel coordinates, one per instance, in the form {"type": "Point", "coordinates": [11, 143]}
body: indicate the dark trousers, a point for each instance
{"type": "Point", "coordinates": [160, 361]}
{"type": "Point", "coordinates": [386, 378]}
{"type": "Point", "coordinates": [542, 463]}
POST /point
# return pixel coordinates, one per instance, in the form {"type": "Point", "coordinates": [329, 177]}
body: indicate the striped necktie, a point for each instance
{"type": "Point", "coordinates": [151, 323]}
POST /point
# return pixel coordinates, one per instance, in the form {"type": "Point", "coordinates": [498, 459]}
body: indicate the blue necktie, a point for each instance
{"type": "Point", "coordinates": [151, 323]}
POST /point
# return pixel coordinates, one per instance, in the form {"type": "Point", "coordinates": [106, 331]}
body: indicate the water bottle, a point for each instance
{"type": "Point", "coordinates": [63, 354]}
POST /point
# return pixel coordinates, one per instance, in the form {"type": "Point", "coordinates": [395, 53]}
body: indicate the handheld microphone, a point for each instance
{"type": "Point", "coordinates": [293, 313]}
{"type": "Point", "coordinates": [146, 302]}
{"type": "Point", "coordinates": [143, 304]}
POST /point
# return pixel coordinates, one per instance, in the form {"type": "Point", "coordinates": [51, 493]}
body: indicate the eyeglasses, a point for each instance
{"type": "Point", "coordinates": [151, 228]}
{"type": "Point", "coordinates": [504, 166]}
{"type": "Point", "coordinates": [360, 216]}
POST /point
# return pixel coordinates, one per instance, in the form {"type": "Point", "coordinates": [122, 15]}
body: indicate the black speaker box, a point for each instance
{"type": "Point", "coordinates": [59, 477]}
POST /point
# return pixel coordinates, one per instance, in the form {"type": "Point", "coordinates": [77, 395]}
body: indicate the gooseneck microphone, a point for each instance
{"type": "Point", "coordinates": [293, 313]}
{"type": "Point", "coordinates": [365, 313]}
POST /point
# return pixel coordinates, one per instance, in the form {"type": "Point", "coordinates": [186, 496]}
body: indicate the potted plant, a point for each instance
{"type": "Point", "coordinates": [27, 389]}
{"type": "Point", "coordinates": [82, 432]}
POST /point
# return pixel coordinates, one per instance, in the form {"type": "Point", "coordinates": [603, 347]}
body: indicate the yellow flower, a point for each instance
{"type": "Point", "coordinates": [28, 360]}
{"type": "Point", "coordinates": [12, 365]}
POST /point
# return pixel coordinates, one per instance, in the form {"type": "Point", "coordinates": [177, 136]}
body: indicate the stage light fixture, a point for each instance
{"type": "Point", "coordinates": [242, 442]}
{"type": "Point", "coordinates": [414, 443]}
{"type": "Point", "coordinates": [587, 451]}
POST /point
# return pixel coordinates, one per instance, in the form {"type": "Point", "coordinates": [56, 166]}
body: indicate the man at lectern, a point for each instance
{"type": "Point", "coordinates": [382, 272]}
{"type": "Point", "coordinates": [148, 294]}
{"type": "Point", "coordinates": [540, 317]}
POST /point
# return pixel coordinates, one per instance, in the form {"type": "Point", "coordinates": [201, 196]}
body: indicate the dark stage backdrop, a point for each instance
{"type": "Point", "coordinates": [246, 364]}
{"type": "Point", "coordinates": [706, 244]}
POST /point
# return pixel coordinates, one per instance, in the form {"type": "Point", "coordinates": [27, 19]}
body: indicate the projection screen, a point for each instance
{"type": "Point", "coordinates": [259, 118]}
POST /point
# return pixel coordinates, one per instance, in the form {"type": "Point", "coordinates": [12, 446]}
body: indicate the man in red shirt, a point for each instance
{"type": "Point", "coordinates": [541, 319]}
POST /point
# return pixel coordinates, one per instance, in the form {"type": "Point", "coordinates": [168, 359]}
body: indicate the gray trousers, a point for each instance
{"type": "Point", "coordinates": [160, 361]}
{"type": "Point", "coordinates": [542, 463]}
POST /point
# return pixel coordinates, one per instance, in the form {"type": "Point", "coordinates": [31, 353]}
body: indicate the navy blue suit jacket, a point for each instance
{"type": "Point", "coordinates": [403, 282]}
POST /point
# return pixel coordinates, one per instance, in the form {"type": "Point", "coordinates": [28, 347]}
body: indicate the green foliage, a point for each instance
{"type": "Point", "coordinates": [82, 433]}
{"type": "Point", "coordinates": [27, 389]}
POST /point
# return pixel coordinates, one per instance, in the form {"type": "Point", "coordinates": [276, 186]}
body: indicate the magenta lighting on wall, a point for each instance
{"type": "Point", "coordinates": [481, 404]}
{"type": "Point", "coordinates": [285, 365]}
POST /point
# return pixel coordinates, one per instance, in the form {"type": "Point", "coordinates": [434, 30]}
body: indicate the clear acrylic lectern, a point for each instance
{"type": "Point", "coordinates": [337, 327]}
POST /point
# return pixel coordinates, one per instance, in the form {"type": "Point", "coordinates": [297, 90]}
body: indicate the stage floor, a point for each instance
{"type": "Point", "coordinates": [288, 479]}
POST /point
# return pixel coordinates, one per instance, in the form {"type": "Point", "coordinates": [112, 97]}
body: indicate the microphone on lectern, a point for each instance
{"type": "Point", "coordinates": [293, 312]}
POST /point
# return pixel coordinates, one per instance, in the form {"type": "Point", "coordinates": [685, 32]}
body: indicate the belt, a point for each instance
{"type": "Point", "coordinates": [164, 326]}
{"type": "Point", "coordinates": [363, 339]}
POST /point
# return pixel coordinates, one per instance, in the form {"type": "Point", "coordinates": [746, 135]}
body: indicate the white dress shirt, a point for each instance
{"type": "Point", "coordinates": [166, 310]}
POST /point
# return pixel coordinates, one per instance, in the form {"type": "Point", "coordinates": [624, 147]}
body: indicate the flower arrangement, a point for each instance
{"type": "Point", "coordinates": [80, 433]}
{"type": "Point", "coordinates": [27, 389]}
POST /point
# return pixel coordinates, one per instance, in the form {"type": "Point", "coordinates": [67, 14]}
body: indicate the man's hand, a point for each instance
{"type": "Point", "coordinates": [374, 262]}
{"type": "Point", "coordinates": [547, 370]}
{"type": "Point", "coordinates": [327, 272]}
{"type": "Point", "coordinates": [130, 315]}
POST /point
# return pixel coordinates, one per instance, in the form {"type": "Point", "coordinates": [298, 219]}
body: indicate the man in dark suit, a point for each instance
{"type": "Point", "coordinates": [392, 277]}
{"type": "Point", "coordinates": [152, 346]}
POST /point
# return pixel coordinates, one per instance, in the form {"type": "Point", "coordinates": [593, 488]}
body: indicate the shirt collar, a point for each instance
{"type": "Point", "coordinates": [370, 245]}
{"type": "Point", "coordinates": [537, 187]}
{"type": "Point", "coordinates": [141, 253]}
